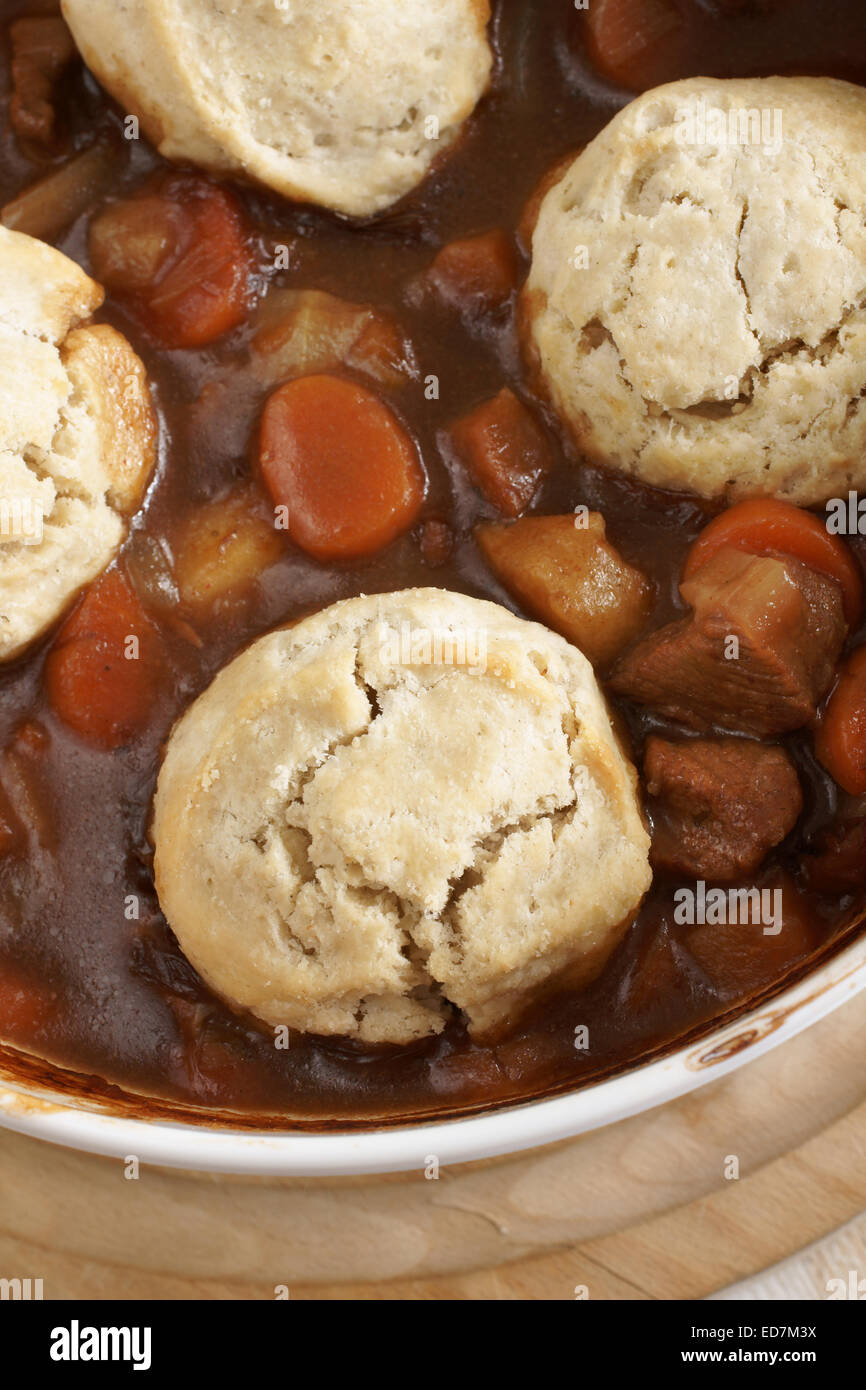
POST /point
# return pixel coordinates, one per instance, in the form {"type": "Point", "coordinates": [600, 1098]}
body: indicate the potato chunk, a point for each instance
{"type": "Point", "coordinates": [303, 332]}
{"type": "Point", "coordinates": [570, 577]}
{"type": "Point", "coordinates": [224, 547]}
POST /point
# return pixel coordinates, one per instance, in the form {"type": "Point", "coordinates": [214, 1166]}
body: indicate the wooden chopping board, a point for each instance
{"type": "Point", "coordinates": [648, 1208]}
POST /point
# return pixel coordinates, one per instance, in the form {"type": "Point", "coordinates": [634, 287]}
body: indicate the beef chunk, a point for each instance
{"type": "Point", "coordinates": [718, 804]}
{"type": "Point", "coordinates": [41, 49]}
{"type": "Point", "coordinates": [839, 866]}
{"type": "Point", "coordinates": [789, 628]}
{"type": "Point", "coordinates": [739, 957]}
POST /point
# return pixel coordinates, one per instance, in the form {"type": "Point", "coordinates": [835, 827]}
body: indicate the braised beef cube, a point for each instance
{"type": "Point", "coordinates": [42, 47]}
{"type": "Point", "coordinates": [719, 805]}
{"type": "Point", "coordinates": [747, 950]}
{"type": "Point", "coordinates": [660, 971]}
{"type": "Point", "coordinates": [757, 654]}
{"type": "Point", "coordinates": [504, 450]}
{"type": "Point", "coordinates": [571, 578]}
{"type": "Point", "coordinates": [839, 866]}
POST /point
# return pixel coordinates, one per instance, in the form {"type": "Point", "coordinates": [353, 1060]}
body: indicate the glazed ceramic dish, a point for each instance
{"type": "Point", "coordinates": [35, 1108]}
{"type": "Point", "coordinates": [432, 567]}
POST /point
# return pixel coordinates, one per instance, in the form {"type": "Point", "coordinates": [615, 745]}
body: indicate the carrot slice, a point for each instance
{"type": "Point", "coordinates": [476, 273]}
{"type": "Point", "coordinates": [340, 462]}
{"type": "Point", "coordinates": [840, 740]}
{"type": "Point", "coordinates": [768, 526]}
{"type": "Point", "coordinates": [180, 257]}
{"type": "Point", "coordinates": [103, 673]}
{"type": "Point", "coordinates": [627, 38]}
{"type": "Point", "coordinates": [504, 450]}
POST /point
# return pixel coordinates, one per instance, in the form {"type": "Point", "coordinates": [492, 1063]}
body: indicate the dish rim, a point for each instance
{"type": "Point", "coordinates": [39, 1112]}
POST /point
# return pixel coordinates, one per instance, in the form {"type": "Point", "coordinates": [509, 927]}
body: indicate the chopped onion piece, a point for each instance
{"type": "Point", "coordinates": [47, 208]}
{"type": "Point", "coordinates": [149, 566]}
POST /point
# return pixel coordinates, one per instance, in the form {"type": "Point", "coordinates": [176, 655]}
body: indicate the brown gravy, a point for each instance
{"type": "Point", "coordinates": [121, 1002]}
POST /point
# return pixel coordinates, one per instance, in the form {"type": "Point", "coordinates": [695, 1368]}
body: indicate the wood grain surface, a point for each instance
{"type": "Point", "coordinates": [681, 1202]}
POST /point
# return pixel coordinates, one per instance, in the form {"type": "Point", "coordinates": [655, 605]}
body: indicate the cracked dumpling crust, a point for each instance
{"type": "Point", "coordinates": [328, 101]}
{"type": "Point", "coordinates": [77, 437]}
{"type": "Point", "coordinates": [696, 306]}
{"type": "Point", "coordinates": [405, 800]}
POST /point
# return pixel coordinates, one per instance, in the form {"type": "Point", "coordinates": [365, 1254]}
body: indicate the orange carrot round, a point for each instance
{"type": "Point", "coordinates": [840, 740]}
{"type": "Point", "coordinates": [340, 462]}
{"type": "Point", "coordinates": [103, 672]}
{"type": "Point", "coordinates": [633, 41]}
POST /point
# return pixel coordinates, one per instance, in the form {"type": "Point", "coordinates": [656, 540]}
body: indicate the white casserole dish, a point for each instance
{"type": "Point", "coordinates": [38, 1109]}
